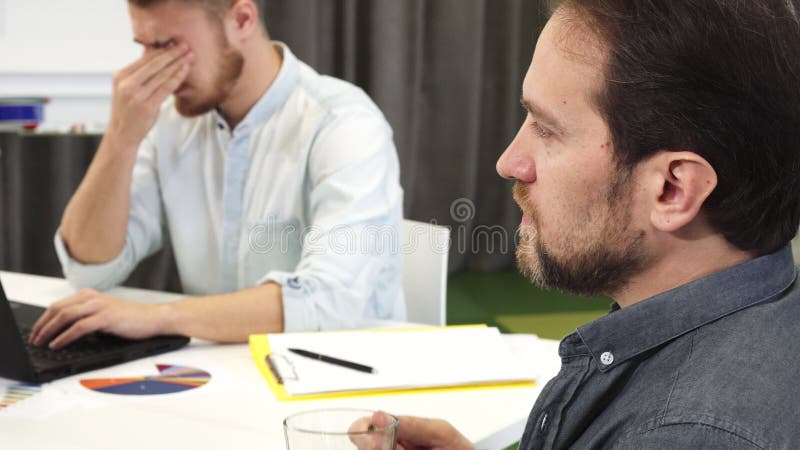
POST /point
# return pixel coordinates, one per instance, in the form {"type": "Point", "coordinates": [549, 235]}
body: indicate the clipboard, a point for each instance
{"type": "Point", "coordinates": [271, 369]}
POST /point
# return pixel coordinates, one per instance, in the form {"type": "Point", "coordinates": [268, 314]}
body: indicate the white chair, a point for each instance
{"type": "Point", "coordinates": [425, 248]}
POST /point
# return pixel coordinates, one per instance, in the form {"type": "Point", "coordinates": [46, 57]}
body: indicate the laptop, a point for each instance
{"type": "Point", "coordinates": [24, 362]}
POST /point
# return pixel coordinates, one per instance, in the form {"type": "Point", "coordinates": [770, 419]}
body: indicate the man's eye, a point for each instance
{"type": "Point", "coordinates": [541, 131]}
{"type": "Point", "coordinates": [157, 45]}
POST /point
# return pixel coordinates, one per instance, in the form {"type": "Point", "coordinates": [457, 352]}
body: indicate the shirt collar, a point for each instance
{"type": "Point", "coordinates": [627, 332]}
{"type": "Point", "coordinates": [277, 94]}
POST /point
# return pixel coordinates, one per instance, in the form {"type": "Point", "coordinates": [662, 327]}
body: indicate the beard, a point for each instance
{"type": "Point", "coordinates": [231, 63]}
{"type": "Point", "coordinates": [597, 256]}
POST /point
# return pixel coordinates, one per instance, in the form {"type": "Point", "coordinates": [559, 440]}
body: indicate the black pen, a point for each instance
{"type": "Point", "coordinates": [332, 360]}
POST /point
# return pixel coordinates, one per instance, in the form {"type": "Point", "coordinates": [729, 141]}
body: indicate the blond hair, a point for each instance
{"type": "Point", "coordinates": [214, 8]}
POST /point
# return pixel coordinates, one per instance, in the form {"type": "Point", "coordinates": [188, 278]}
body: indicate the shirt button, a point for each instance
{"type": "Point", "coordinates": [221, 126]}
{"type": "Point", "coordinates": [293, 282]}
{"type": "Point", "coordinates": [607, 358]}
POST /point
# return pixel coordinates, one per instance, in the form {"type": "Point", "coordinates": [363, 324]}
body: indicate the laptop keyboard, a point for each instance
{"type": "Point", "coordinates": [82, 348]}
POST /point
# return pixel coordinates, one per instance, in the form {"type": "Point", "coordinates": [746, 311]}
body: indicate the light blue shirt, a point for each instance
{"type": "Point", "coordinates": [303, 192]}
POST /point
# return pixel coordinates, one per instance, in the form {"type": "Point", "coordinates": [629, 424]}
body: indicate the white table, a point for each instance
{"type": "Point", "coordinates": [236, 409]}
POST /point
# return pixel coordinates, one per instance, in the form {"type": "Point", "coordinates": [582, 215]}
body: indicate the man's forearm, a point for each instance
{"type": "Point", "coordinates": [96, 218]}
{"type": "Point", "coordinates": [227, 317]}
{"type": "Point", "coordinates": [95, 222]}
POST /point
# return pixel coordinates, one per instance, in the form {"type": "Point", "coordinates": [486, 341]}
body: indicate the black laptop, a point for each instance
{"type": "Point", "coordinates": [21, 361]}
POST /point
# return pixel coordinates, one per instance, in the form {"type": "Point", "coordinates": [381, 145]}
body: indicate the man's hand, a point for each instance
{"type": "Point", "coordinates": [414, 433]}
{"type": "Point", "coordinates": [140, 88]}
{"type": "Point", "coordinates": [88, 311]}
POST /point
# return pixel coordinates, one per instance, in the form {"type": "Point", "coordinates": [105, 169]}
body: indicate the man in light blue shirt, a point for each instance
{"type": "Point", "coordinates": [279, 189]}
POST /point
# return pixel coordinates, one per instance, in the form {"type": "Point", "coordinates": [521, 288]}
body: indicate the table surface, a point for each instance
{"type": "Point", "coordinates": [236, 409]}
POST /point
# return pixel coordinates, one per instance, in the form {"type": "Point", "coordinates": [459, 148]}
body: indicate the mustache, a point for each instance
{"type": "Point", "coordinates": [523, 200]}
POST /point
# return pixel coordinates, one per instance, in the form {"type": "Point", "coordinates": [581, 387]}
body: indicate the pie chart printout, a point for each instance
{"type": "Point", "coordinates": [170, 379]}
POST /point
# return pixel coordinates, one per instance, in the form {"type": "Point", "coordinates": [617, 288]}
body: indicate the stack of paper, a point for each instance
{"type": "Point", "coordinates": [422, 358]}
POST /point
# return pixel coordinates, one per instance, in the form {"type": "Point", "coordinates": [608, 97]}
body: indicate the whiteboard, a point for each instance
{"type": "Point", "coordinates": [65, 36]}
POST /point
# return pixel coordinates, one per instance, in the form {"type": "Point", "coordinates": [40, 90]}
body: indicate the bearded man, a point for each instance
{"type": "Point", "coordinates": [254, 164]}
{"type": "Point", "coordinates": [659, 164]}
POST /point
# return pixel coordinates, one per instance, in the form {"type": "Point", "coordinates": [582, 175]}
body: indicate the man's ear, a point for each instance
{"type": "Point", "coordinates": [242, 20]}
{"type": "Point", "coordinates": [679, 183]}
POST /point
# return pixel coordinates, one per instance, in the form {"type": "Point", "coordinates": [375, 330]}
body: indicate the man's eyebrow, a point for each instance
{"type": "Point", "coordinates": [542, 114]}
{"type": "Point", "coordinates": [155, 44]}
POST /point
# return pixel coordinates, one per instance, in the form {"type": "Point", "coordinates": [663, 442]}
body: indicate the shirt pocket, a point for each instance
{"type": "Point", "coordinates": [272, 245]}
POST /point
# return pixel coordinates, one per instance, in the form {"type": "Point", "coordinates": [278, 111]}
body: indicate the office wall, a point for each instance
{"type": "Point", "coordinates": [67, 51]}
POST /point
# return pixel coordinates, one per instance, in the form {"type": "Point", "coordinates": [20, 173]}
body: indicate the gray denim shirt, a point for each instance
{"type": "Point", "coordinates": [711, 364]}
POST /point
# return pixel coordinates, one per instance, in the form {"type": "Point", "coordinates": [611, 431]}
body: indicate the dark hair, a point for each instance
{"type": "Point", "coordinates": [720, 78]}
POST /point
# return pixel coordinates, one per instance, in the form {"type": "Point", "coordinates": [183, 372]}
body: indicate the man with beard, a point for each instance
{"type": "Point", "coordinates": [253, 150]}
{"type": "Point", "coordinates": [659, 165]}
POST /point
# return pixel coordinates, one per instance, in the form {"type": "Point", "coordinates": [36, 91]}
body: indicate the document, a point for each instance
{"type": "Point", "coordinates": [399, 360]}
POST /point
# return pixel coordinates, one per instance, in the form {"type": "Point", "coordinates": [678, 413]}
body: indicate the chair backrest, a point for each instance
{"type": "Point", "coordinates": [425, 248]}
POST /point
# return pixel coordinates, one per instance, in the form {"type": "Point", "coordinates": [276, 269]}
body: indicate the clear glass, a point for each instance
{"type": "Point", "coordinates": [338, 429]}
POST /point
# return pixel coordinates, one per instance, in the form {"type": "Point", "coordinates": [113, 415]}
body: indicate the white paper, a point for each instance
{"type": "Point", "coordinates": [533, 354]}
{"type": "Point", "coordinates": [401, 359]}
{"type": "Point", "coordinates": [39, 403]}
{"type": "Point", "coordinates": [230, 372]}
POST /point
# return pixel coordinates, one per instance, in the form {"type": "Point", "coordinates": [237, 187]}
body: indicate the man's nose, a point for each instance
{"type": "Point", "coordinates": [516, 163]}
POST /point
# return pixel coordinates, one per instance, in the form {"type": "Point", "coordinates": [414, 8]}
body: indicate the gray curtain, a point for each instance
{"type": "Point", "coordinates": [446, 73]}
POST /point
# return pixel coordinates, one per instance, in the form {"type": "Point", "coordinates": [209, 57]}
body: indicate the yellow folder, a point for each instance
{"type": "Point", "coordinates": [260, 349]}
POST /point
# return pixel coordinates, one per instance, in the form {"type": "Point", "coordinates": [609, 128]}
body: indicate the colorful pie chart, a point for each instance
{"type": "Point", "coordinates": [170, 379]}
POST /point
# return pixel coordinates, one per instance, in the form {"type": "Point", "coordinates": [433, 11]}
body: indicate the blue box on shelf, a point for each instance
{"type": "Point", "coordinates": [21, 113]}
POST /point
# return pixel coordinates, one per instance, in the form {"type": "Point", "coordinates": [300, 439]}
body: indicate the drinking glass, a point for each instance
{"type": "Point", "coordinates": [338, 429]}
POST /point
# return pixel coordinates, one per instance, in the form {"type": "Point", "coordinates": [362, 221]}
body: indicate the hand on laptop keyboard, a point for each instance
{"type": "Point", "coordinates": [93, 343]}
{"type": "Point", "coordinates": [89, 311]}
